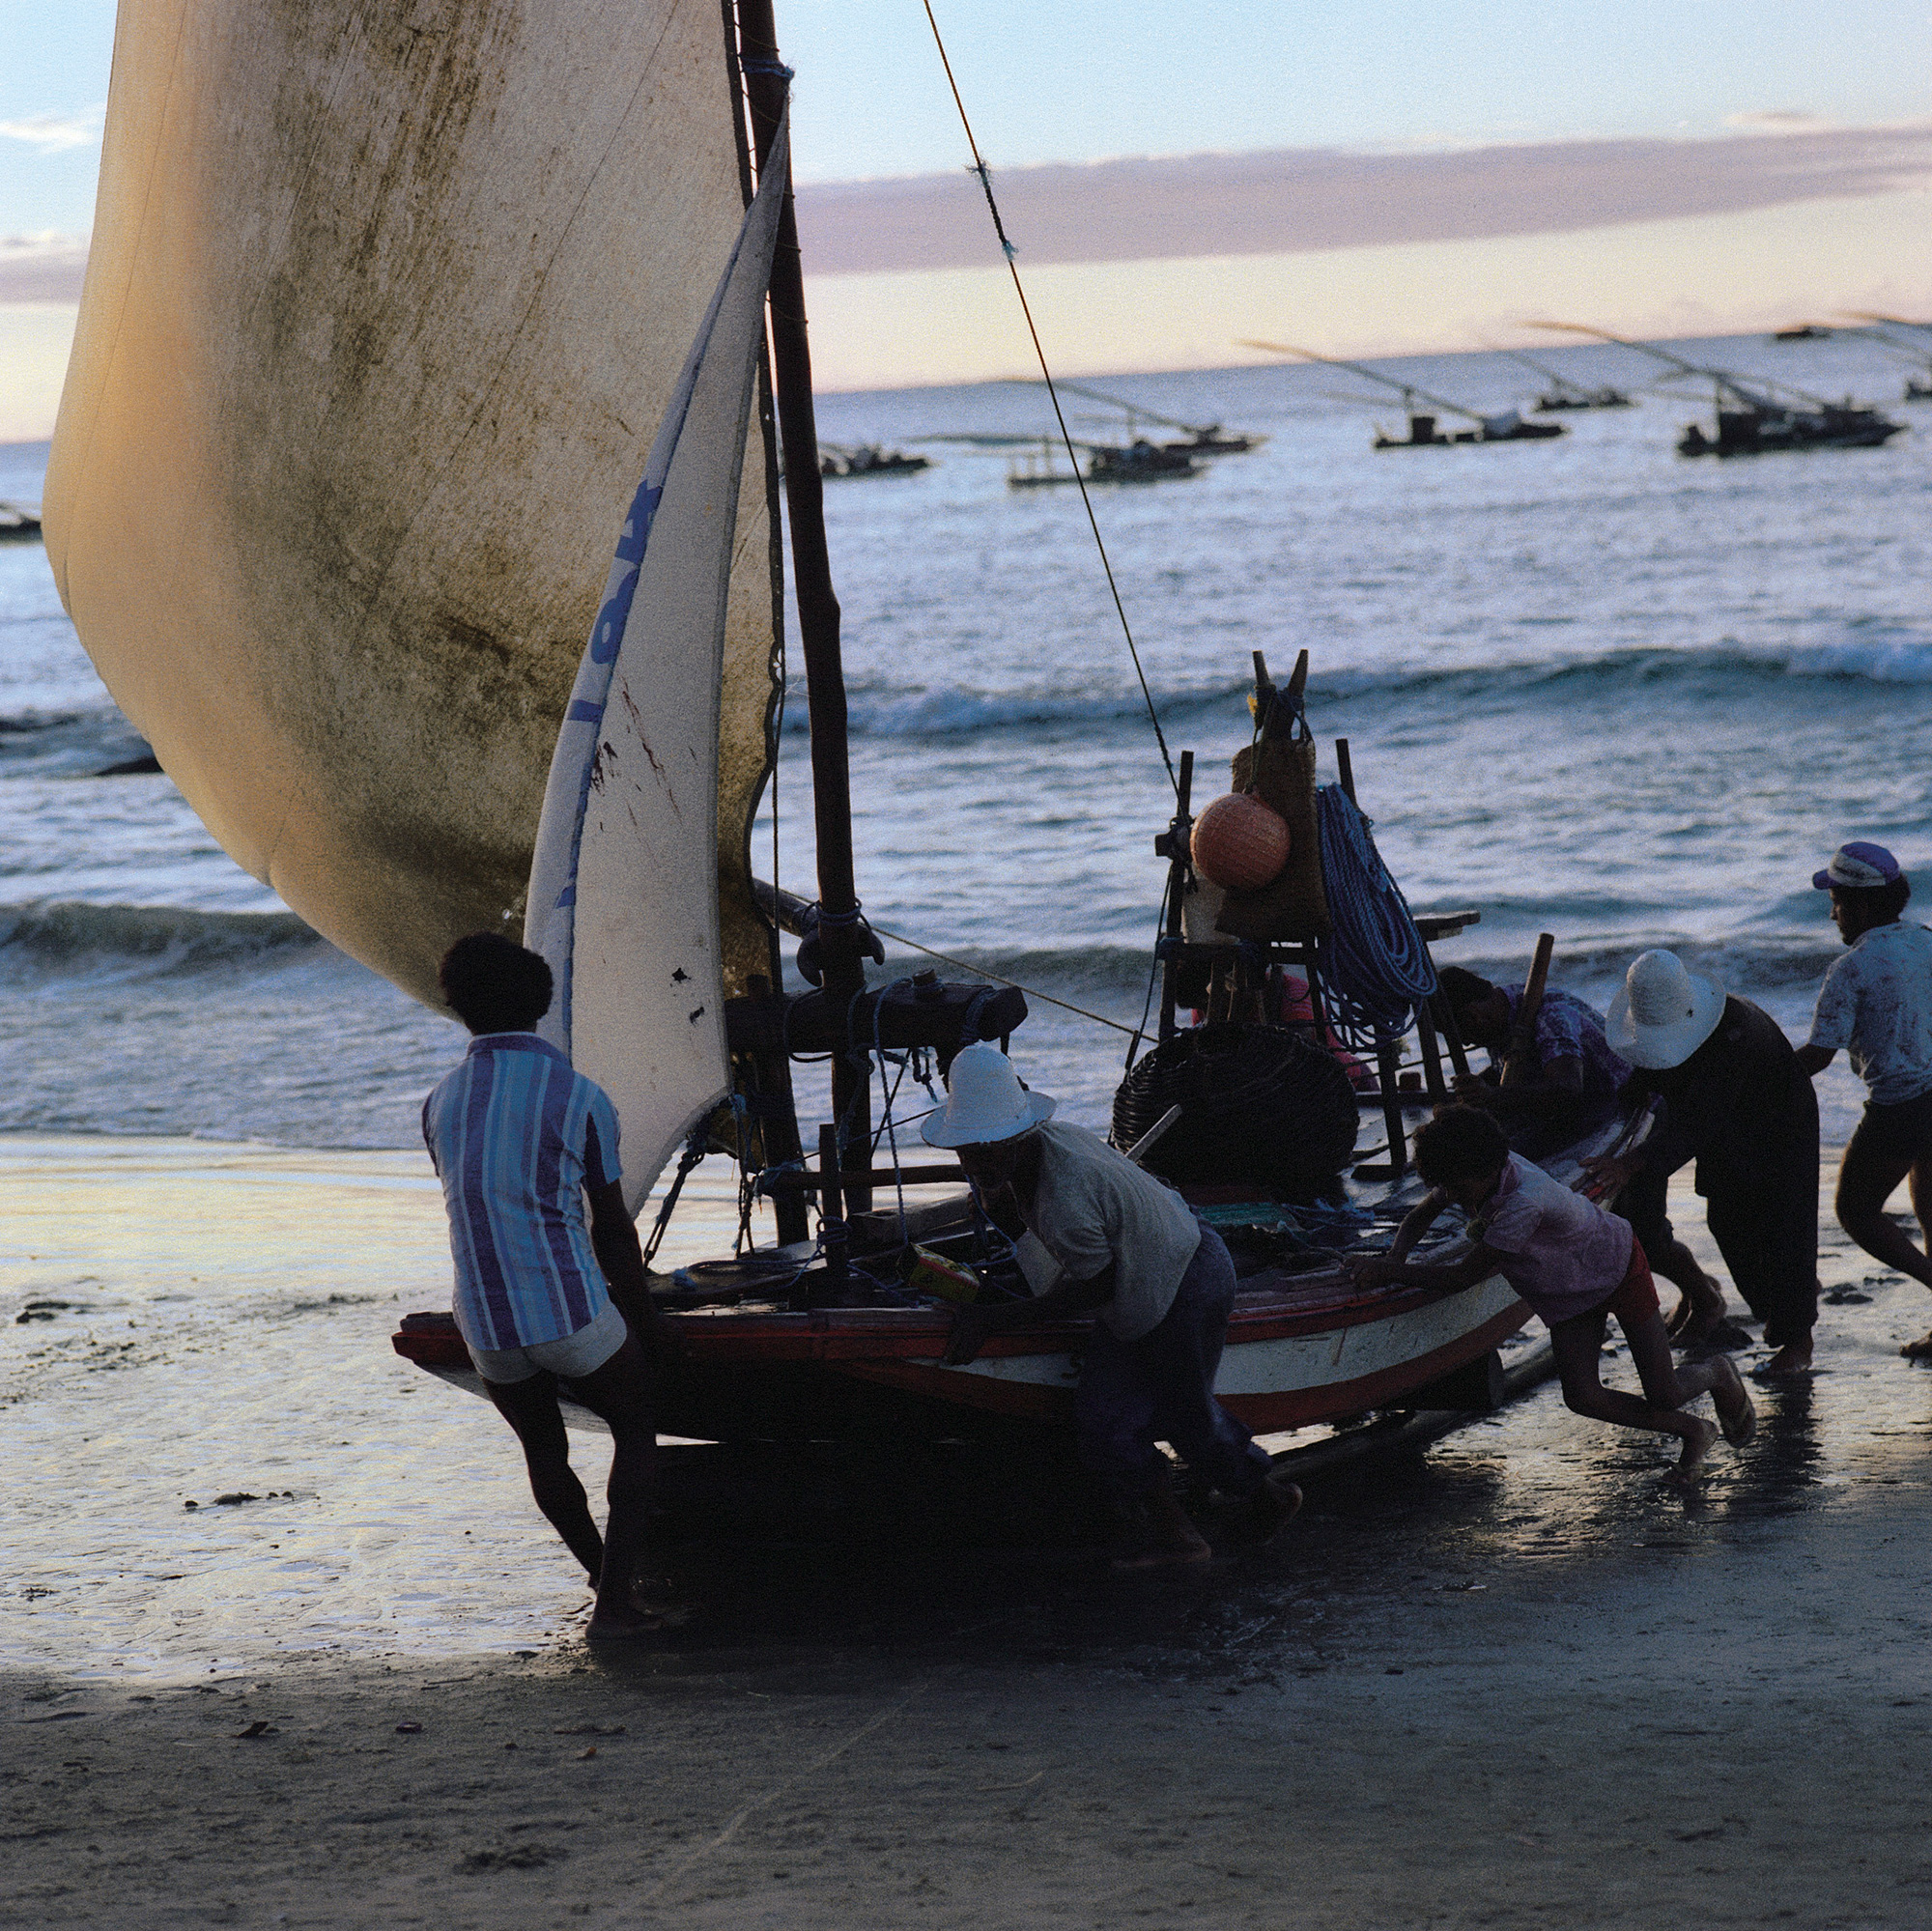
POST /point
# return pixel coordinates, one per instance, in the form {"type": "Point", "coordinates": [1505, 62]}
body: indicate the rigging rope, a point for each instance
{"type": "Point", "coordinates": [979, 168]}
{"type": "Point", "coordinates": [1374, 966]}
{"type": "Point", "coordinates": [1066, 1006]}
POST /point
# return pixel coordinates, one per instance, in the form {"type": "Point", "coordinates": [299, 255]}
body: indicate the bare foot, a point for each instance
{"type": "Point", "coordinates": [609, 1626]}
{"type": "Point", "coordinates": [1791, 1363]}
{"type": "Point", "coordinates": [1919, 1349]}
{"type": "Point", "coordinates": [1163, 1555]}
{"type": "Point", "coordinates": [1273, 1506]}
{"type": "Point", "coordinates": [1735, 1414]}
{"type": "Point", "coordinates": [1698, 1314]}
{"type": "Point", "coordinates": [1697, 1446]}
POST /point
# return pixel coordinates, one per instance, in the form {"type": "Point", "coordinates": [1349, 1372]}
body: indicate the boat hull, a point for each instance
{"type": "Point", "coordinates": [1296, 1355]}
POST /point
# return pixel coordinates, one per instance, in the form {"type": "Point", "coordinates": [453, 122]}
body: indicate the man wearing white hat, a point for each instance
{"type": "Point", "coordinates": [1737, 1102]}
{"type": "Point", "coordinates": [1877, 1000]}
{"type": "Point", "coordinates": [1158, 1283]}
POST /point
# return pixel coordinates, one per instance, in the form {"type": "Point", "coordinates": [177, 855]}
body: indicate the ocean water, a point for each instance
{"type": "Point", "coordinates": [1591, 688]}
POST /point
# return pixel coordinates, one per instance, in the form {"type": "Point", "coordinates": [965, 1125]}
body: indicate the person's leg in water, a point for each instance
{"type": "Point", "coordinates": [1868, 1177]}
{"type": "Point", "coordinates": [1179, 1360]}
{"type": "Point", "coordinates": [1699, 1312]}
{"type": "Point", "coordinates": [1113, 1418]}
{"type": "Point", "coordinates": [1578, 1343]}
{"type": "Point", "coordinates": [619, 1391]}
{"type": "Point", "coordinates": [530, 1407]}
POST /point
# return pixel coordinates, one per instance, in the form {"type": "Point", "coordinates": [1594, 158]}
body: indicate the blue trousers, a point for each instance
{"type": "Point", "coordinates": [1161, 1388]}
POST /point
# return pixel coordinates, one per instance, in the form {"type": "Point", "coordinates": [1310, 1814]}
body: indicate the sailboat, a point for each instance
{"type": "Point", "coordinates": [1503, 426]}
{"type": "Point", "coordinates": [1752, 416]}
{"type": "Point", "coordinates": [363, 291]}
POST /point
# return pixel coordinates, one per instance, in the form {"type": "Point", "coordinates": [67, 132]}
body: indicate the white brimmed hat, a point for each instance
{"type": "Point", "coordinates": [1661, 1013]}
{"type": "Point", "coordinates": [984, 1102]}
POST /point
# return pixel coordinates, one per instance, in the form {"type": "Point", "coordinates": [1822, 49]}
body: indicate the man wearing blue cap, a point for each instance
{"type": "Point", "coordinates": [1877, 1000]}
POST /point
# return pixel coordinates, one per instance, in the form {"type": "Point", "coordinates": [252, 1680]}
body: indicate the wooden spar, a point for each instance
{"type": "Point", "coordinates": [1179, 834]}
{"type": "Point", "coordinates": [1389, 1060]}
{"type": "Point", "coordinates": [840, 940]}
{"type": "Point", "coordinates": [1520, 1060]}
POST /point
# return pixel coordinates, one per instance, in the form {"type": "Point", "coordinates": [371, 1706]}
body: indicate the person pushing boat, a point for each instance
{"type": "Point", "coordinates": [520, 1141]}
{"type": "Point", "coordinates": [1575, 1263]}
{"type": "Point", "coordinates": [1159, 1284]}
{"type": "Point", "coordinates": [1577, 1084]}
{"type": "Point", "coordinates": [1876, 1001]}
{"type": "Point", "coordinates": [1737, 1101]}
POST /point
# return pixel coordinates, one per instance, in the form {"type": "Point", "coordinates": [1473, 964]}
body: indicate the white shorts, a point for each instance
{"type": "Point", "coordinates": [572, 1357]}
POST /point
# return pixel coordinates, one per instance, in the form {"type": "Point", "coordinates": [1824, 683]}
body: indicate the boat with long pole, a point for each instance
{"type": "Point", "coordinates": [1561, 393]}
{"type": "Point", "coordinates": [301, 580]}
{"type": "Point", "coordinates": [1752, 416]}
{"type": "Point", "coordinates": [1506, 426]}
{"type": "Point", "coordinates": [1915, 349]}
{"type": "Point", "coordinates": [1199, 439]}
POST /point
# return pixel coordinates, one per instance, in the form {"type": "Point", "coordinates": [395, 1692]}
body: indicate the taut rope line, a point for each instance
{"type": "Point", "coordinates": [1087, 502]}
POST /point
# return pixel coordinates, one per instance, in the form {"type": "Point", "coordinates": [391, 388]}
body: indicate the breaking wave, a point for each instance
{"type": "Point", "coordinates": [1721, 673]}
{"type": "Point", "coordinates": [63, 939]}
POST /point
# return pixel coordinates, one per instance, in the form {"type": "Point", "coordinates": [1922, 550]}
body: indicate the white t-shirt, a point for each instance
{"type": "Point", "coordinates": [1877, 999]}
{"type": "Point", "coordinates": [1563, 1253]}
{"type": "Point", "coordinates": [1094, 1206]}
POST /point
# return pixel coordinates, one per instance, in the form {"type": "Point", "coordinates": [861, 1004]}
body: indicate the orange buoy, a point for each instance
{"type": "Point", "coordinates": [1239, 843]}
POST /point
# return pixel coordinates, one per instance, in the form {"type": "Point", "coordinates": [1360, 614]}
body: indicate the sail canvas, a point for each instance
{"type": "Point", "coordinates": [384, 308]}
{"type": "Point", "coordinates": [623, 897]}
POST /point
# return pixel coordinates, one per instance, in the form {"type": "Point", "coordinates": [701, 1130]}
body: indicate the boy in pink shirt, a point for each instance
{"type": "Point", "coordinates": [1575, 1265]}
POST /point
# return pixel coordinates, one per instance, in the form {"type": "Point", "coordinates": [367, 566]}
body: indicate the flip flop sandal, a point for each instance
{"type": "Point", "coordinates": [1741, 1427]}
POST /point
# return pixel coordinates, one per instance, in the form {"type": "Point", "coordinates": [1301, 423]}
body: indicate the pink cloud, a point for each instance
{"type": "Point", "coordinates": [1295, 200]}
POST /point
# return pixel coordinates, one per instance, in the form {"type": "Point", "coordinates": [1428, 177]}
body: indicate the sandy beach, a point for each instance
{"type": "Point", "coordinates": [1519, 1683]}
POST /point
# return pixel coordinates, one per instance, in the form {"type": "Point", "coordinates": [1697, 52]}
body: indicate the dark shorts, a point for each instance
{"type": "Point", "coordinates": [1901, 1132]}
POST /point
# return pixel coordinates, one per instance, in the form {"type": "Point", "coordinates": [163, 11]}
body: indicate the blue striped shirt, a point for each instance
{"type": "Point", "coordinates": [516, 1135]}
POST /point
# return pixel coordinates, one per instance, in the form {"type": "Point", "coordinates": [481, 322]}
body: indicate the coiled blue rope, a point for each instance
{"type": "Point", "coordinates": [1375, 966]}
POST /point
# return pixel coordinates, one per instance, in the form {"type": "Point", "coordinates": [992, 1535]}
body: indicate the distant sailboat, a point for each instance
{"type": "Point", "coordinates": [1504, 426]}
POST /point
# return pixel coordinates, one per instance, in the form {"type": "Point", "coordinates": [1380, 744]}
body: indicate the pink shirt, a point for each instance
{"type": "Point", "coordinates": [1563, 1253]}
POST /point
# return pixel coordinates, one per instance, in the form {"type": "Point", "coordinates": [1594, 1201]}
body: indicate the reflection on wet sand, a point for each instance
{"type": "Point", "coordinates": [191, 1323]}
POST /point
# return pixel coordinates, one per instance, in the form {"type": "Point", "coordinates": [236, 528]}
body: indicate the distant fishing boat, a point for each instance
{"type": "Point", "coordinates": [19, 521]}
{"type": "Point", "coordinates": [1752, 416]}
{"type": "Point", "coordinates": [1564, 394]}
{"type": "Point", "coordinates": [1914, 348]}
{"type": "Point", "coordinates": [1199, 439]}
{"type": "Point", "coordinates": [868, 458]}
{"type": "Point", "coordinates": [1137, 462]}
{"type": "Point", "coordinates": [1504, 426]}
{"type": "Point", "coordinates": [1804, 331]}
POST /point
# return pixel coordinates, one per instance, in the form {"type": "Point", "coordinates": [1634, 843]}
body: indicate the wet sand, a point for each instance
{"type": "Point", "coordinates": [1521, 1683]}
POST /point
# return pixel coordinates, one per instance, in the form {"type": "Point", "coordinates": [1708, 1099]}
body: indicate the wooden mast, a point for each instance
{"type": "Point", "coordinates": [843, 941]}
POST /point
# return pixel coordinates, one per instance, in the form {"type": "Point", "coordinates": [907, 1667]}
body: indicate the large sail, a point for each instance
{"type": "Point", "coordinates": [384, 307]}
{"type": "Point", "coordinates": [623, 898]}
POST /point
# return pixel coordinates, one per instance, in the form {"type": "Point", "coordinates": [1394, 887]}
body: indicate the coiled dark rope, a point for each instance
{"type": "Point", "coordinates": [1375, 966]}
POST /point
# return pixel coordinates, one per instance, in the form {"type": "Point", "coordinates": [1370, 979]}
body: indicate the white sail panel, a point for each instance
{"type": "Point", "coordinates": [384, 306]}
{"type": "Point", "coordinates": [623, 897]}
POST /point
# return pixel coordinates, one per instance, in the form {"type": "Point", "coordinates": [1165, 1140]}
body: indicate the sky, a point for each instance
{"type": "Point", "coordinates": [1380, 178]}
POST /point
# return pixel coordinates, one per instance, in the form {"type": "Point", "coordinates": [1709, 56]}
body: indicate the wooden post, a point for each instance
{"type": "Point", "coordinates": [765, 91]}
{"type": "Point", "coordinates": [1388, 1076]}
{"type": "Point", "coordinates": [1452, 1034]}
{"type": "Point", "coordinates": [832, 1206]}
{"type": "Point", "coordinates": [1344, 769]}
{"type": "Point", "coordinates": [1431, 1059]}
{"type": "Point", "coordinates": [1520, 1062]}
{"type": "Point", "coordinates": [1179, 832]}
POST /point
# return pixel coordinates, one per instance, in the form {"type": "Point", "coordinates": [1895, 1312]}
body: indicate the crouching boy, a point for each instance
{"type": "Point", "coordinates": [520, 1142]}
{"type": "Point", "coordinates": [1575, 1265]}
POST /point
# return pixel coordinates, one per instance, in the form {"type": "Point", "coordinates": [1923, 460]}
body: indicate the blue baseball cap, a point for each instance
{"type": "Point", "coordinates": [1856, 868]}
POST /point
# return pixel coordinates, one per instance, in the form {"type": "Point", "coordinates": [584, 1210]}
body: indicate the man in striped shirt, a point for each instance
{"type": "Point", "coordinates": [520, 1141]}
